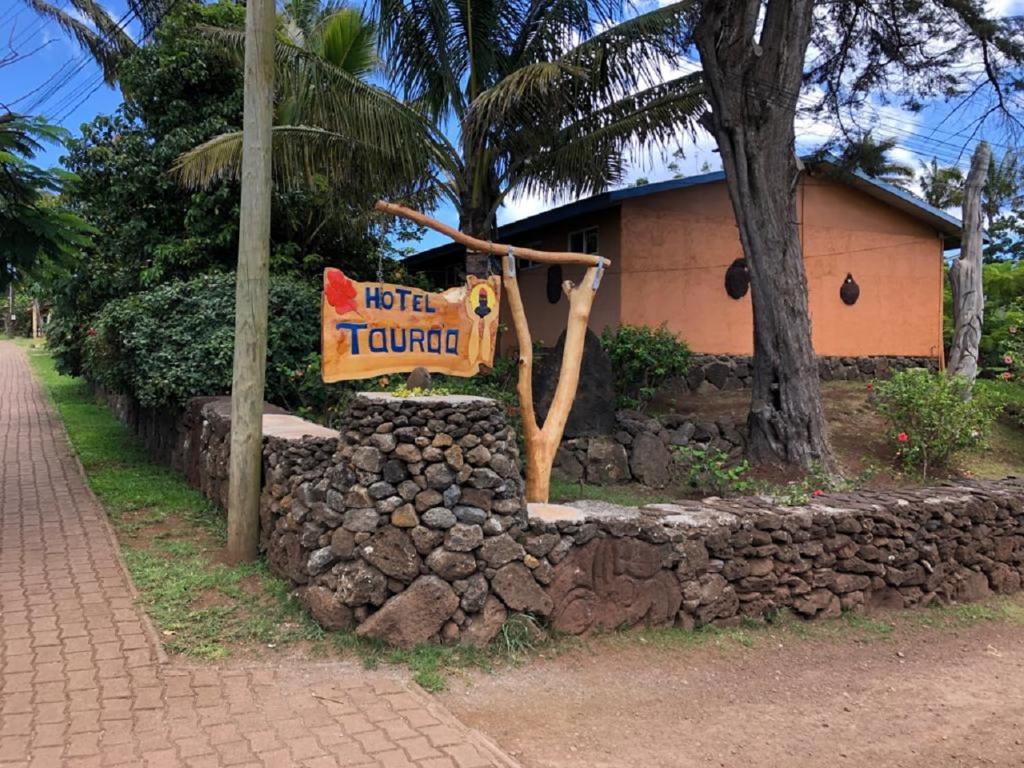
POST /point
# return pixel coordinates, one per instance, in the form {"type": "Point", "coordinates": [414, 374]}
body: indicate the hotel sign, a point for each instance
{"type": "Point", "coordinates": [372, 329]}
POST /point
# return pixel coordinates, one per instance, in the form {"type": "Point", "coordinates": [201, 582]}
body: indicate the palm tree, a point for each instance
{"type": "Point", "coordinates": [538, 96]}
{"type": "Point", "coordinates": [334, 133]}
{"type": "Point", "coordinates": [37, 233]}
{"type": "Point", "coordinates": [943, 186]}
{"type": "Point", "coordinates": [865, 153]}
{"type": "Point", "coordinates": [97, 31]}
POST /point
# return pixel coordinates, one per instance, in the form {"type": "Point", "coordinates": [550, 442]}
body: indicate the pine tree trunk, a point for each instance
{"type": "Point", "coordinates": [753, 84]}
{"type": "Point", "coordinates": [965, 276]}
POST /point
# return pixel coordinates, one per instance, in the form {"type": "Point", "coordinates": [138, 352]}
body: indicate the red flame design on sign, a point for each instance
{"type": "Point", "coordinates": [340, 291]}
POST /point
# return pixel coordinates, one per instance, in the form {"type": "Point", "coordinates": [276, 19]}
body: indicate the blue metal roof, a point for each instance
{"type": "Point", "coordinates": [941, 221]}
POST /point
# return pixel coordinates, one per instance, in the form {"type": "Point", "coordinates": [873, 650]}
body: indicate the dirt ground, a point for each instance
{"type": "Point", "coordinates": [859, 436]}
{"type": "Point", "coordinates": [915, 696]}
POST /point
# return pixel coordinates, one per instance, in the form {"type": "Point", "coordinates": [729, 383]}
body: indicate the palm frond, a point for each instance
{"type": "Point", "coordinates": [347, 40]}
{"type": "Point", "coordinates": [338, 102]}
{"type": "Point", "coordinates": [305, 158]}
{"type": "Point", "coordinates": [105, 40]}
{"type": "Point", "coordinates": [590, 154]}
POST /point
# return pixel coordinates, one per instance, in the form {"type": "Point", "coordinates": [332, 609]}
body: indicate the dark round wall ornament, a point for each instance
{"type": "Point", "coordinates": [737, 279]}
{"type": "Point", "coordinates": [849, 291]}
{"type": "Point", "coordinates": [554, 283]}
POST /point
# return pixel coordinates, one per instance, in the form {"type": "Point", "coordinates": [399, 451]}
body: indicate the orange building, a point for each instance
{"type": "Point", "coordinates": [672, 244]}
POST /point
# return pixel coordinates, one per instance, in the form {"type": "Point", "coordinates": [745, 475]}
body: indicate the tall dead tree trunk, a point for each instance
{"type": "Point", "coordinates": [965, 276]}
{"type": "Point", "coordinates": [753, 82]}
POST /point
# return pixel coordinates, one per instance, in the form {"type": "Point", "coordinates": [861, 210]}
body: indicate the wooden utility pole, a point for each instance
{"type": "Point", "coordinates": [965, 276]}
{"type": "Point", "coordinates": [253, 278]}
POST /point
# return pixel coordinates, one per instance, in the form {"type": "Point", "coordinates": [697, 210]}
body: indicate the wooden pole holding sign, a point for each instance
{"type": "Point", "coordinates": [541, 441]}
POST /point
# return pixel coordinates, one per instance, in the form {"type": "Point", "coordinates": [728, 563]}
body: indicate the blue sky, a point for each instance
{"type": "Point", "coordinates": [56, 79]}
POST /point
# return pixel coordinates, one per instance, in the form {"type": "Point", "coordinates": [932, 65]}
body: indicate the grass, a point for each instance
{"type": "Point", "coordinates": [171, 537]}
{"type": "Point", "coordinates": [851, 626]}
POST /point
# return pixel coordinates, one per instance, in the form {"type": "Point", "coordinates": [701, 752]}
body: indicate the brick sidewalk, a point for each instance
{"type": "Point", "coordinates": [81, 678]}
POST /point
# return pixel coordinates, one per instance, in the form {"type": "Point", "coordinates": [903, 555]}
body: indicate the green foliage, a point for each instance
{"type": "Point", "coordinates": [38, 233]}
{"type": "Point", "coordinates": [643, 358]}
{"type": "Point", "coordinates": [1003, 283]}
{"type": "Point", "coordinates": [174, 342]}
{"type": "Point", "coordinates": [929, 419]}
{"type": "Point", "coordinates": [179, 90]}
{"type": "Point", "coordinates": [815, 483]}
{"type": "Point", "coordinates": [711, 471]}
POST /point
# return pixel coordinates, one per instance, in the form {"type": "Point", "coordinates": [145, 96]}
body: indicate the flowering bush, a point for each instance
{"type": "Point", "coordinates": [929, 419]}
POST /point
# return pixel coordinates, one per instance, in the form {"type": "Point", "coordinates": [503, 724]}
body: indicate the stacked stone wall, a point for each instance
{"type": "Point", "coordinates": [713, 373]}
{"type": "Point", "coordinates": [410, 526]}
{"type": "Point", "coordinates": [642, 448]}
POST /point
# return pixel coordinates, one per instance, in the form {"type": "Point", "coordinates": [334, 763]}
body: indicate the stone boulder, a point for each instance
{"type": "Point", "coordinates": [650, 461]}
{"type": "Point", "coordinates": [607, 462]}
{"type": "Point", "coordinates": [518, 589]}
{"type": "Point", "coordinates": [326, 609]}
{"type": "Point", "coordinates": [593, 410]}
{"type": "Point", "coordinates": [483, 627]}
{"type": "Point", "coordinates": [392, 552]}
{"type": "Point", "coordinates": [413, 616]}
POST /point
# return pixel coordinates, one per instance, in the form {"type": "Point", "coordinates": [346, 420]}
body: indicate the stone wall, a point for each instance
{"type": "Point", "coordinates": [409, 525]}
{"type": "Point", "coordinates": [405, 526]}
{"type": "Point", "coordinates": [717, 561]}
{"type": "Point", "coordinates": [712, 373]}
{"type": "Point", "coordinates": [641, 448]}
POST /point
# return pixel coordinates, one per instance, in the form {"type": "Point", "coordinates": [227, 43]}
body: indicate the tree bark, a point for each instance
{"type": "Point", "coordinates": [965, 276]}
{"type": "Point", "coordinates": [753, 82]}
{"type": "Point", "coordinates": [253, 279]}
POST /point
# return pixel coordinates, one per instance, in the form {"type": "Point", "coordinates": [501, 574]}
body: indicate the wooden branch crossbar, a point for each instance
{"type": "Point", "coordinates": [485, 246]}
{"type": "Point", "coordinates": [541, 441]}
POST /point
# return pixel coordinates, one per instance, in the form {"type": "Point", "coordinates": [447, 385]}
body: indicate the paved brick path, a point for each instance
{"type": "Point", "coordinates": [81, 678]}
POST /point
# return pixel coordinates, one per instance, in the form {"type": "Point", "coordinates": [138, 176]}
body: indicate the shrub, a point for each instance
{"type": "Point", "coordinates": [174, 342]}
{"type": "Point", "coordinates": [929, 419]}
{"type": "Point", "coordinates": [712, 472]}
{"type": "Point", "coordinates": [643, 359]}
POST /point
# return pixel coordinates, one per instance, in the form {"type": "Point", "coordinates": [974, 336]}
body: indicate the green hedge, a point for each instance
{"type": "Point", "coordinates": [174, 342]}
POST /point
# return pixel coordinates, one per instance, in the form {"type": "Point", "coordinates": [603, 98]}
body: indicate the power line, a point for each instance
{"type": "Point", "coordinates": [82, 60]}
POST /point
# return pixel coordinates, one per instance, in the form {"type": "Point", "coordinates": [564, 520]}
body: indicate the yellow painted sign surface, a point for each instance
{"type": "Point", "coordinates": [371, 329]}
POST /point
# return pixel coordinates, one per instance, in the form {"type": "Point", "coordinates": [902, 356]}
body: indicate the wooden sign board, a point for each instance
{"type": "Point", "coordinates": [372, 329]}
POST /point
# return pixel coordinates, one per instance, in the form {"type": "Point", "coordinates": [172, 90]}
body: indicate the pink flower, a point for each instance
{"type": "Point", "coordinates": [1006, 375]}
{"type": "Point", "coordinates": [818, 492]}
{"type": "Point", "coordinates": [902, 437]}
{"type": "Point", "coordinates": [1007, 359]}
{"type": "Point", "coordinates": [91, 332]}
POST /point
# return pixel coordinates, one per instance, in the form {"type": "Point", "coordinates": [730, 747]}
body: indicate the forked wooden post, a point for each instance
{"type": "Point", "coordinates": [541, 441]}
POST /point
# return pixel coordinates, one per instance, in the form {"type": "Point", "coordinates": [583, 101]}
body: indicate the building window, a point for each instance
{"type": "Point", "coordinates": [583, 240]}
{"type": "Point", "coordinates": [524, 264]}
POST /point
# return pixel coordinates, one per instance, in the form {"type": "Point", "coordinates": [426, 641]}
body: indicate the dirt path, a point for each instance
{"type": "Point", "coordinates": [920, 697]}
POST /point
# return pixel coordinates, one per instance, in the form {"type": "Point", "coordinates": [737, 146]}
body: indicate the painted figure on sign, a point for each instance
{"type": "Point", "coordinates": [481, 301]}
